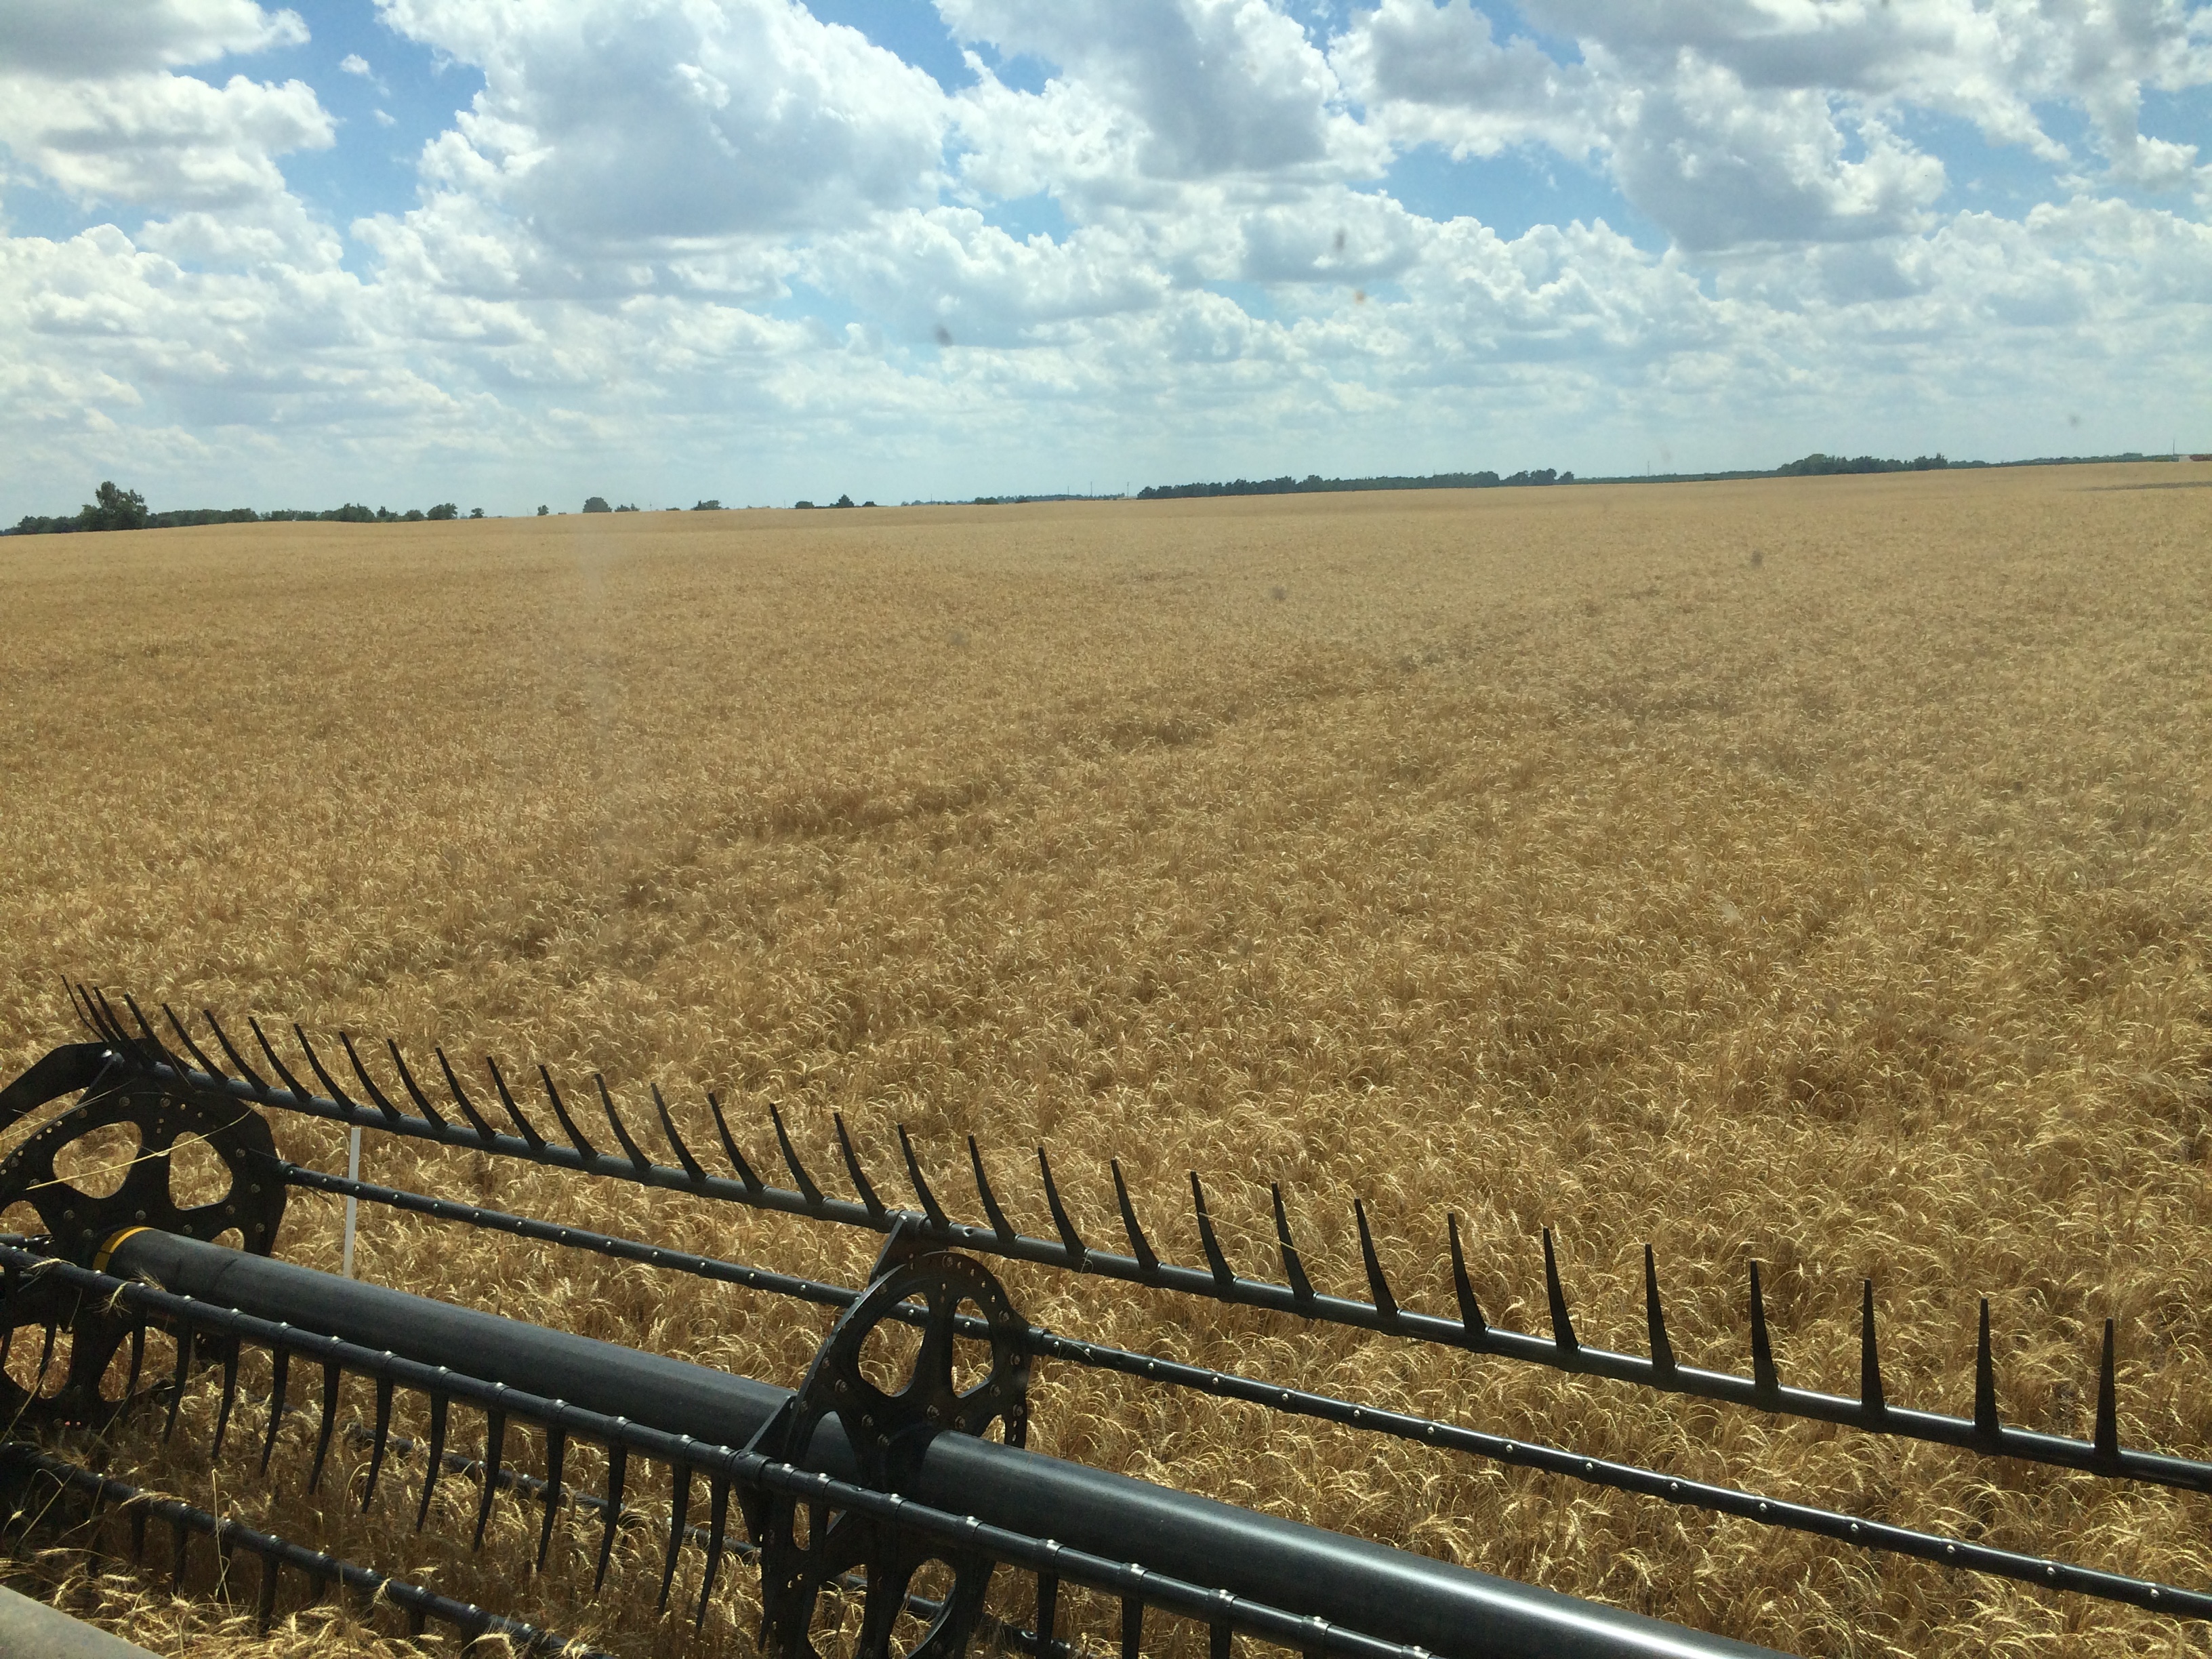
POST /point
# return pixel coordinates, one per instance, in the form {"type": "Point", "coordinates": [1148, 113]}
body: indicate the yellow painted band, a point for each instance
{"type": "Point", "coordinates": [100, 1258]}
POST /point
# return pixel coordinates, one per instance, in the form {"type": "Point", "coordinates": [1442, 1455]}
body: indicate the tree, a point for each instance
{"type": "Point", "coordinates": [475, 512]}
{"type": "Point", "coordinates": [596, 504]}
{"type": "Point", "coordinates": [443, 510]}
{"type": "Point", "coordinates": [112, 508]}
{"type": "Point", "coordinates": [707, 507]}
{"type": "Point", "coordinates": [844, 501]}
{"type": "Point", "coordinates": [542, 509]}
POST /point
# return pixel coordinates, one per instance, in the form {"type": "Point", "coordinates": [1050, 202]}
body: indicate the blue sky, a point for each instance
{"type": "Point", "coordinates": [407, 251]}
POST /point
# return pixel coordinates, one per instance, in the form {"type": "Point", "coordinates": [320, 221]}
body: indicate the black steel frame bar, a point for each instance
{"type": "Point", "coordinates": [1217, 1608]}
{"type": "Point", "coordinates": [1983, 1434]}
{"type": "Point", "coordinates": [418, 1603]}
{"type": "Point", "coordinates": [1300, 1403]}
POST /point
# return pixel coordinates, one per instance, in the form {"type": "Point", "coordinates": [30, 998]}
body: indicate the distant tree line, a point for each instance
{"type": "Point", "coordinates": [115, 508]}
{"type": "Point", "coordinates": [1817, 465]}
{"type": "Point", "coordinates": [1314, 484]}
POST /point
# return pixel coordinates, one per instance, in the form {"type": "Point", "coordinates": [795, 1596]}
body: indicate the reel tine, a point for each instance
{"type": "Point", "coordinates": [718, 1521]}
{"type": "Point", "coordinates": [692, 1171]}
{"type": "Point", "coordinates": [1070, 1240]}
{"type": "Point", "coordinates": [930, 1206]}
{"type": "Point", "coordinates": [117, 1033]}
{"type": "Point", "coordinates": [1378, 1287]}
{"type": "Point", "coordinates": [332, 1377]}
{"type": "Point", "coordinates": [81, 1009]}
{"type": "Point", "coordinates": [322, 1075]}
{"type": "Point", "coordinates": [181, 1536]}
{"type": "Point", "coordinates": [1140, 1246]}
{"type": "Point", "coordinates": [430, 1113]}
{"type": "Point", "coordinates": [561, 1110]}
{"type": "Point", "coordinates": [1000, 1224]}
{"type": "Point", "coordinates": [485, 1133]}
{"type": "Point", "coordinates": [138, 1519]}
{"type": "Point", "coordinates": [639, 1161]}
{"type": "Point", "coordinates": [177, 1382]}
{"type": "Point", "coordinates": [159, 1047]}
{"type": "Point", "coordinates": [1293, 1269]}
{"type": "Point", "coordinates": [556, 1448]}
{"type": "Point", "coordinates": [494, 1453]}
{"type": "Point", "coordinates": [752, 1183]}
{"type": "Point", "coordinates": [1563, 1325]}
{"type": "Point", "coordinates": [618, 1467]}
{"type": "Point", "coordinates": [375, 1094]}
{"type": "Point", "coordinates": [862, 1185]}
{"type": "Point", "coordinates": [299, 1091]}
{"type": "Point", "coordinates": [1470, 1312]}
{"type": "Point", "coordinates": [537, 1142]}
{"type": "Point", "coordinates": [1871, 1400]}
{"type": "Point", "coordinates": [253, 1078]}
{"type": "Point", "coordinates": [438, 1409]}
{"type": "Point", "coordinates": [2108, 1404]}
{"type": "Point", "coordinates": [280, 1364]}
{"type": "Point", "coordinates": [191, 1047]}
{"type": "Point", "coordinates": [807, 1189]}
{"type": "Point", "coordinates": [131, 1381]}
{"type": "Point", "coordinates": [1223, 1277]}
{"type": "Point", "coordinates": [47, 1356]}
{"type": "Point", "coordinates": [1985, 1382]}
{"type": "Point", "coordinates": [1654, 1317]}
{"type": "Point", "coordinates": [1764, 1377]}
{"type": "Point", "coordinates": [1132, 1626]}
{"type": "Point", "coordinates": [679, 1515]}
{"type": "Point", "coordinates": [381, 1440]}
{"type": "Point", "coordinates": [264, 1607]}
{"type": "Point", "coordinates": [229, 1398]}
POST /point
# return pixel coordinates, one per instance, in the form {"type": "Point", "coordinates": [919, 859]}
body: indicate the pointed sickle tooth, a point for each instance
{"type": "Point", "coordinates": [529, 1130]}
{"type": "Point", "coordinates": [430, 1113]}
{"type": "Point", "coordinates": [1985, 1382]}
{"type": "Point", "coordinates": [1470, 1312]}
{"type": "Point", "coordinates": [679, 1515]}
{"type": "Point", "coordinates": [1872, 1401]}
{"type": "Point", "coordinates": [381, 1440]}
{"type": "Point", "coordinates": [752, 1183]}
{"type": "Point", "coordinates": [638, 1160]}
{"type": "Point", "coordinates": [495, 1455]}
{"type": "Point", "coordinates": [618, 1467]}
{"type": "Point", "coordinates": [1764, 1377]}
{"type": "Point", "coordinates": [1148, 1264]}
{"type": "Point", "coordinates": [1378, 1287]}
{"type": "Point", "coordinates": [692, 1170]}
{"type": "Point", "coordinates": [928, 1199]}
{"type": "Point", "coordinates": [1293, 1269]}
{"type": "Point", "coordinates": [1563, 1325]}
{"type": "Point", "coordinates": [437, 1461]}
{"type": "Point", "coordinates": [391, 1113]}
{"type": "Point", "coordinates": [1070, 1240]}
{"type": "Point", "coordinates": [485, 1133]}
{"type": "Point", "coordinates": [997, 1217]}
{"type": "Point", "coordinates": [718, 1521]}
{"type": "Point", "coordinates": [1216, 1262]}
{"type": "Point", "coordinates": [804, 1181]}
{"type": "Point", "coordinates": [2108, 1404]}
{"type": "Point", "coordinates": [331, 1378]}
{"type": "Point", "coordinates": [253, 1080]}
{"type": "Point", "coordinates": [1655, 1318]}
{"type": "Point", "coordinates": [862, 1185]}
{"type": "Point", "coordinates": [561, 1110]}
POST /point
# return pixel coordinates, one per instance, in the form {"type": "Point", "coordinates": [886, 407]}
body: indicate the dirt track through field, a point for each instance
{"type": "Point", "coordinates": [1811, 870]}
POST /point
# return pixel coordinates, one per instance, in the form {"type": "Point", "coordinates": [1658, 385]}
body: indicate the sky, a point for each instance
{"type": "Point", "coordinates": [506, 252]}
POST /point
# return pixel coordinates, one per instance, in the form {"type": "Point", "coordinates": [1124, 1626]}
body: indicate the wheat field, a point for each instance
{"type": "Point", "coordinates": [1805, 870]}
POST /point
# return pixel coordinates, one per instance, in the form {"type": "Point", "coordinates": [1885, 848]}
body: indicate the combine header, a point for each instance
{"type": "Point", "coordinates": [840, 1493]}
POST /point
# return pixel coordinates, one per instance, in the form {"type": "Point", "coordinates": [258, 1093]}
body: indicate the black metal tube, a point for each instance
{"type": "Point", "coordinates": [1386, 1593]}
